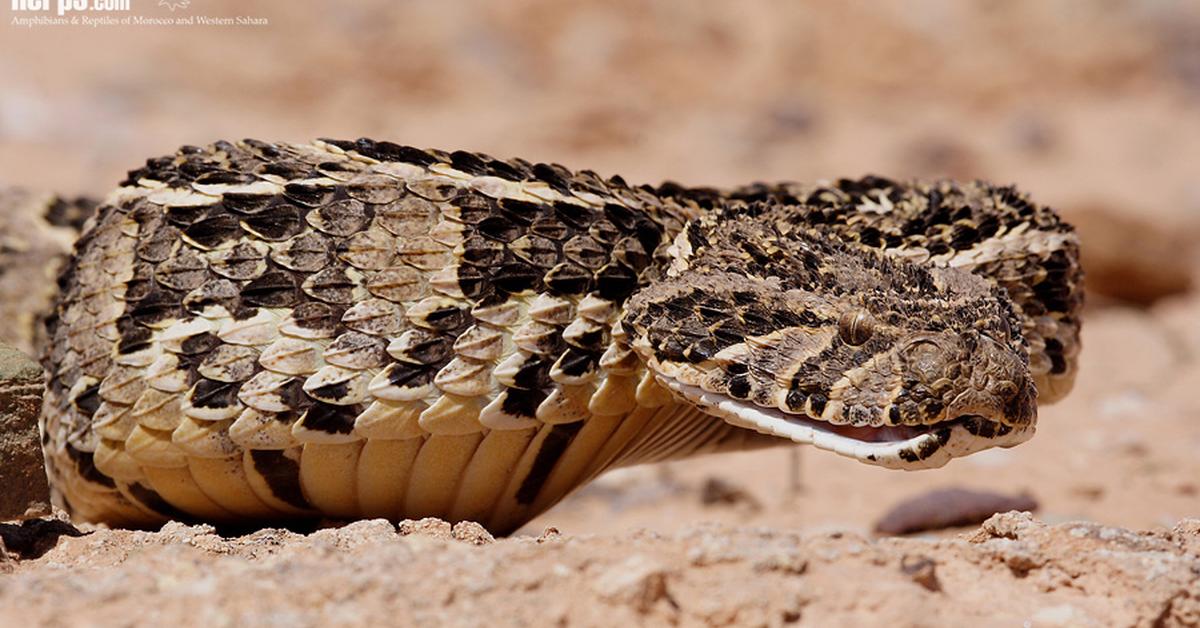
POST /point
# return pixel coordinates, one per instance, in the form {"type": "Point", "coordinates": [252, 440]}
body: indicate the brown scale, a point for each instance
{"type": "Point", "coordinates": [280, 220]}
{"type": "Point", "coordinates": [376, 317]}
{"type": "Point", "coordinates": [335, 285]}
{"type": "Point", "coordinates": [244, 262]}
{"type": "Point", "coordinates": [230, 363]}
{"type": "Point", "coordinates": [185, 271]}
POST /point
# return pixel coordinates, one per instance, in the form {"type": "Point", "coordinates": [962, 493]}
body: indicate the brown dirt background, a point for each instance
{"type": "Point", "coordinates": [1093, 107]}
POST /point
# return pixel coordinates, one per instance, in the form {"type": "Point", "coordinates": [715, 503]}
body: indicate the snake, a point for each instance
{"type": "Point", "coordinates": [254, 332]}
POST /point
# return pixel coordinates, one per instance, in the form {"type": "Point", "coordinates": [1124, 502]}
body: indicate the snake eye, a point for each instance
{"type": "Point", "coordinates": [856, 327]}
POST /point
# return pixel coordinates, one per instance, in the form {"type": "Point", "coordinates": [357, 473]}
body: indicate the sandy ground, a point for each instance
{"type": "Point", "coordinates": [1014, 570]}
{"type": "Point", "coordinates": [1093, 108]}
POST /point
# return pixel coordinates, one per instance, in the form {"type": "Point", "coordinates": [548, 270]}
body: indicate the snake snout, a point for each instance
{"type": "Point", "coordinates": [1011, 405]}
{"type": "Point", "coordinates": [1001, 390]}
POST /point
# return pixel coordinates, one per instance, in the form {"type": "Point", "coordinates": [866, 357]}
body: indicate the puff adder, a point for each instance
{"type": "Point", "coordinates": [260, 331]}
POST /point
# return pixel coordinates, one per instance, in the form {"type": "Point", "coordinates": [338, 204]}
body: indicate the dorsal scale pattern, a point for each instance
{"type": "Point", "coordinates": [249, 327]}
{"type": "Point", "coordinates": [259, 331]}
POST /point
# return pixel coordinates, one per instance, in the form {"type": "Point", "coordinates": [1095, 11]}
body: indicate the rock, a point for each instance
{"type": "Point", "coordinates": [922, 570]}
{"type": "Point", "coordinates": [24, 491]}
{"type": "Point", "coordinates": [948, 508]}
{"type": "Point", "coordinates": [471, 533]}
{"type": "Point", "coordinates": [717, 491]}
{"type": "Point", "coordinates": [637, 581]}
{"type": "Point", "coordinates": [429, 526]}
{"type": "Point", "coordinates": [1133, 258]}
{"type": "Point", "coordinates": [1005, 525]}
{"type": "Point", "coordinates": [32, 538]}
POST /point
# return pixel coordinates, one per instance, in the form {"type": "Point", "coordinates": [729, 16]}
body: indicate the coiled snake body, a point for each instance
{"type": "Point", "coordinates": [257, 332]}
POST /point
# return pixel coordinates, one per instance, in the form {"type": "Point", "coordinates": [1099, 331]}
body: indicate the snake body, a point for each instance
{"type": "Point", "coordinates": [260, 331]}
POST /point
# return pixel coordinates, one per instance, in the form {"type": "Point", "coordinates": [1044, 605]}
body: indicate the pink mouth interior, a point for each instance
{"type": "Point", "coordinates": [884, 434]}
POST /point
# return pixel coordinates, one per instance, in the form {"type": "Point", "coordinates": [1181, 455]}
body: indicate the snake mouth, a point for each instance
{"type": "Point", "coordinates": [909, 447]}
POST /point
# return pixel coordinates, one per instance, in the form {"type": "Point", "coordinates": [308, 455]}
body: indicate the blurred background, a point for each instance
{"type": "Point", "coordinates": [1091, 106]}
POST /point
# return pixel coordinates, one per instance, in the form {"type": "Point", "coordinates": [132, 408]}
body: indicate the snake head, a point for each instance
{"type": "Point", "coordinates": [794, 334]}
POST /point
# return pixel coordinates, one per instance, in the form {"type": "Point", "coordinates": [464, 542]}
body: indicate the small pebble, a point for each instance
{"type": "Point", "coordinates": [949, 508]}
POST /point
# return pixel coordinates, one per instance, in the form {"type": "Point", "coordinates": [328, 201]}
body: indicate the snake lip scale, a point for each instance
{"type": "Point", "coordinates": [254, 332]}
{"type": "Point", "coordinates": [898, 447]}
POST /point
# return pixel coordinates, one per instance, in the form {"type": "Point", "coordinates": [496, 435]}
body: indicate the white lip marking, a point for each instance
{"type": "Point", "coordinates": [884, 453]}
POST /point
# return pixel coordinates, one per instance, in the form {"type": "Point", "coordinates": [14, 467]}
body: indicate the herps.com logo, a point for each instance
{"type": "Point", "coordinates": [117, 13]}
{"type": "Point", "coordinates": [64, 7]}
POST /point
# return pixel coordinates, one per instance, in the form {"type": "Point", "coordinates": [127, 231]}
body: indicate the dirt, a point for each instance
{"type": "Point", "coordinates": [1011, 570]}
{"type": "Point", "coordinates": [1092, 108]}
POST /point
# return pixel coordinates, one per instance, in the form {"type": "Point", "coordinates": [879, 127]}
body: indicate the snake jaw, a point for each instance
{"type": "Point", "coordinates": [1016, 408]}
{"type": "Point", "coordinates": [903, 447]}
